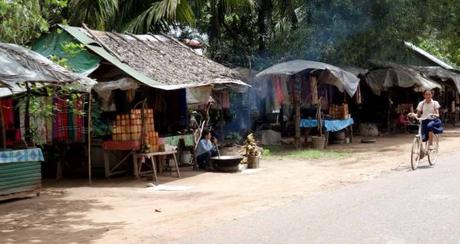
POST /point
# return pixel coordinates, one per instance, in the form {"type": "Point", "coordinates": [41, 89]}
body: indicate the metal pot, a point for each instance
{"type": "Point", "coordinates": [226, 163]}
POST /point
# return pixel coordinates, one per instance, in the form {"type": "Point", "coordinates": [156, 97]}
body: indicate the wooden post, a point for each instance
{"type": "Point", "coordinates": [28, 134]}
{"type": "Point", "coordinates": [89, 138]}
{"type": "Point", "coordinates": [389, 111]}
{"type": "Point", "coordinates": [297, 88]}
{"type": "Point", "coordinates": [314, 89]}
{"type": "Point", "coordinates": [297, 123]}
{"type": "Point", "coordinates": [2, 123]}
{"type": "Point", "coordinates": [316, 100]}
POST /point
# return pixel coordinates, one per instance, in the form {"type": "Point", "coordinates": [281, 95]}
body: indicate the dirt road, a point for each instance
{"type": "Point", "coordinates": [125, 211]}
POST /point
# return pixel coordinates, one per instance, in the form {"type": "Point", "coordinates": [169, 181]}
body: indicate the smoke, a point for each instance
{"type": "Point", "coordinates": [346, 33]}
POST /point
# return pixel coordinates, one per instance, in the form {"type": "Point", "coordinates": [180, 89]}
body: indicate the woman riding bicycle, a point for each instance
{"type": "Point", "coordinates": [428, 109]}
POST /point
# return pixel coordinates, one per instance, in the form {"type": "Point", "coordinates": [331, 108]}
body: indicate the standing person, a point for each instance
{"type": "Point", "coordinates": [428, 109]}
{"type": "Point", "coordinates": [205, 150]}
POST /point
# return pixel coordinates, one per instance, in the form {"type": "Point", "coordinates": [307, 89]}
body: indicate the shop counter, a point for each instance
{"type": "Point", "coordinates": [329, 126]}
{"type": "Point", "coordinates": [128, 146]}
{"type": "Point", "coordinates": [20, 172]}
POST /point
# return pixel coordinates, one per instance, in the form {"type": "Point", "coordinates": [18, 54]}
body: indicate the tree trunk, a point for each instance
{"type": "Point", "coordinates": [264, 22]}
{"type": "Point", "coordinates": [214, 29]}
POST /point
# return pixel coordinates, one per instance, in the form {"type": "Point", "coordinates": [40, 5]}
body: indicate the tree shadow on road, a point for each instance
{"type": "Point", "coordinates": [51, 219]}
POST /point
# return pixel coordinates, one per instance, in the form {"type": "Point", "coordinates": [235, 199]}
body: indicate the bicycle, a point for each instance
{"type": "Point", "coordinates": [421, 149]}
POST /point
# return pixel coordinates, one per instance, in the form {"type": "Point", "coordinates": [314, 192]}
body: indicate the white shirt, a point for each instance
{"type": "Point", "coordinates": [428, 108]}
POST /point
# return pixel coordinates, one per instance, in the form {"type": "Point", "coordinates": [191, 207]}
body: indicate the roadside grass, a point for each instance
{"type": "Point", "coordinates": [309, 154]}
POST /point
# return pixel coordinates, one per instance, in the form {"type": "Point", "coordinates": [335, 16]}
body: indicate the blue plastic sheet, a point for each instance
{"type": "Point", "coordinates": [330, 125]}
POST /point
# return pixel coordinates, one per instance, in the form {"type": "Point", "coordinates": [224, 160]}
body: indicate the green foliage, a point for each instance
{"type": "Point", "coordinates": [71, 49]}
{"type": "Point", "coordinates": [282, 152]}
{"type": "Point", "coordinates": [99, 128]}
{"type": "Point", "coordinates": [22, 21]}
{"type": "Point", "coordinates": [98, 14]}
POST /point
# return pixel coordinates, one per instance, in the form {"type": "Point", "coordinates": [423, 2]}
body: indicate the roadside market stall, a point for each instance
{"type": "Point", "coordinates": [148, 85]}
{"type": "Point", "coordinates": [316, 94]}
{"type": "Point", "coordinates": [395, 91]}
{"type": "Point", "coordinates": [449, 96]}
{"type": "Point", "coordinates": [20, 70]}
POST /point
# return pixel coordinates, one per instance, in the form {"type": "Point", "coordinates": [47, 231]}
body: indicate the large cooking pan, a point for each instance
{"type": "Point", "coordinates": [226, 163]}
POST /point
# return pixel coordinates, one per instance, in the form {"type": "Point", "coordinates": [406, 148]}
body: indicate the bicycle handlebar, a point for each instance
{"type": "Point", "coordinates": [430, 116]}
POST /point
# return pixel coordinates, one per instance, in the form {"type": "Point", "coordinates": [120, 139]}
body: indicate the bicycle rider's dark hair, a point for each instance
{"type": "Point", "coordinates": [428, 90]}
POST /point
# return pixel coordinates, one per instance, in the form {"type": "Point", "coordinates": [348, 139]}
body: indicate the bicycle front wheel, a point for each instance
{"type": "Point", "coordinates": [433, 153]}
{"type": "Point", "coordinates": [415, 153]}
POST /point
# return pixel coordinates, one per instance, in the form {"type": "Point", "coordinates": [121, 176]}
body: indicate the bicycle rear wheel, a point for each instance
{"type": "Point", "coordinates": [415, 153]}
{"type": "Point", "coordinates": [433, 154]}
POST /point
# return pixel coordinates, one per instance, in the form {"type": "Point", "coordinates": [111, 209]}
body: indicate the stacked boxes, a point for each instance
{"type": "Point", "coordinates": [339, 111]}
{"type": "Point", "coordinates": [128, 127]}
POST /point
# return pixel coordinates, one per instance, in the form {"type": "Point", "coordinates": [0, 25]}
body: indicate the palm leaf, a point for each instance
{"type": "Point", "coordinates": [154, 17]}
{"type": "Point", "coordinates": [97, 14]}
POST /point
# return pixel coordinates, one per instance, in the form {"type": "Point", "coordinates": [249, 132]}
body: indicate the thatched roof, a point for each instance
{"type": "Point", "coordinates": [167, 63]}
{"type": "Point", "coordinates": [20, 64]}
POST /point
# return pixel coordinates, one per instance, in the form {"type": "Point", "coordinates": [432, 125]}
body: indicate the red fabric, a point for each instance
{"type": "Point", "coordinates": [279, 95]}
{"type": "Point", "coordinates": [13, 134]}
{"type": "Point", "coordinates": [8, 112]}
{"type": "Point", "coordinates": [402, 119]}
{"type": "Point", "coordinates": [79, 121]}
{"type": "Point", "coordinates": [225, 100]}
{"type": "Point", "coordinates": [61, 123]}
{"type": "Point", "coordinates": [121, 145]}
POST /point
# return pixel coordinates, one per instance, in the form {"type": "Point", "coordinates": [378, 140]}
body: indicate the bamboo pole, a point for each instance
{"type": "Point", "coordinates": [297, 111]}
{"type": "Point", "coordinates": [2, 123]}
{"type": "Point", "coordinates": [89, 138]}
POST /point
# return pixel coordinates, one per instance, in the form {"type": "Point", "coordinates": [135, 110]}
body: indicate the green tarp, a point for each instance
{"type": "Point", "coordinates": [52, 45]}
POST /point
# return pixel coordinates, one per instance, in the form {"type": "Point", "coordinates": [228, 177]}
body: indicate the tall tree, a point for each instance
{"type": "Point", "coordinates": [21, 21]}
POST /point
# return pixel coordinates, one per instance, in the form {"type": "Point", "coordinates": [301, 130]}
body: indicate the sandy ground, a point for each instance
{"type": "Point", "coordinates": [125, 211]}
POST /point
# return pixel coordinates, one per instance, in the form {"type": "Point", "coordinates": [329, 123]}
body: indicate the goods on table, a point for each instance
{"type": "Point", "coordinates": [339, 111]}
{"type": "Point", "coordinates": [404, 108]}
{"type": "Point", "coordinates": [128, 127]}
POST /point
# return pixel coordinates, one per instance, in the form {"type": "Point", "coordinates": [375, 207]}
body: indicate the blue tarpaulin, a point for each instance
{"type": "Point", "coordinates": [330, 125]}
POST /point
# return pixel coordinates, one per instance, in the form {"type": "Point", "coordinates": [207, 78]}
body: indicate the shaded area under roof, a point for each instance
{"type": "Point", "coordinates": [440, 73]}
{"type": "Point", "coordinates": [386, 75]}
{"type": "Point", "coordinates": [343, 80]}
{"type": "Point", "coordinates": [157, 61]}
{"type": "Point", "coordinates": [19, 64]}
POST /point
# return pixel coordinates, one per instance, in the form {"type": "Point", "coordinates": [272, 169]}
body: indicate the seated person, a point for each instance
{"type": "Point", "coordinates": [205, 150]}
{"type": "Point", "coordinates": [402, 122]}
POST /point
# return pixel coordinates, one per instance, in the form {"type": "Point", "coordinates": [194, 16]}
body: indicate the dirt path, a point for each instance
{"type": "Point", "coordinates": [125, 211]}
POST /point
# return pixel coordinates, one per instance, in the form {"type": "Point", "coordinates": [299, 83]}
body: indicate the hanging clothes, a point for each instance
{"type": "Point", "coordinates": [11, 130]}
{"type": "Point", "coordinates": [279, 95]}
{"type": "Point", "coordinates": [60, 132]}
{"type": "Point", "coordinates": [285, 90]}
{"type": "Point", "coordinates": [225, 100]}
{"type": "Point", "coordinates": [275, 101]}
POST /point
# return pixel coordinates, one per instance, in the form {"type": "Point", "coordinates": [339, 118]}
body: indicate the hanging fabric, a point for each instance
{"type": "Point", "coordinates": [275, 101]}
{"type": "Point", "coordinates": [225, 101]}
{"type": "Point", "coordinates": [60, 121]}
{"type": "Point", "coordinates": [278, 90]}
{"type": "Point", "coordinates": [285, 90]}
{"type": "Point", "coordinates": [358, 96]}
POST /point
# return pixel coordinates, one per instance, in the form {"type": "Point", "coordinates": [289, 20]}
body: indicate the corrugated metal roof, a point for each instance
{"type": "Point", "coordinates": [428, 56]}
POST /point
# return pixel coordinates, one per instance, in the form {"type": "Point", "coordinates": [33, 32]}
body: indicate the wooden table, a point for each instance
{"type": "Point", "coordinates": [140, 158]}
{"type": "Point", "coordinates": [128, 146]}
